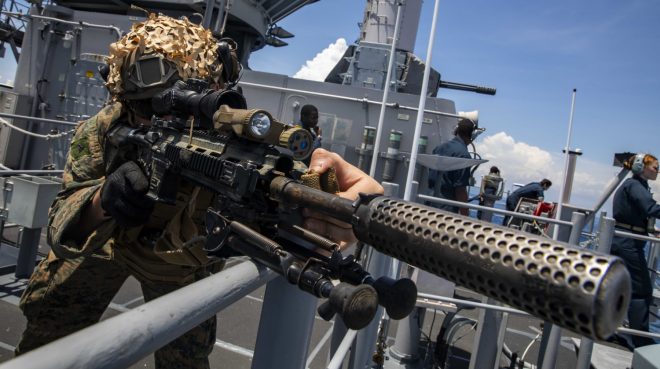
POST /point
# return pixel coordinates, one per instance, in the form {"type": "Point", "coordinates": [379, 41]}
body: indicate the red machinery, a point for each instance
{"type": "Point", "coordinates": [533, 207]}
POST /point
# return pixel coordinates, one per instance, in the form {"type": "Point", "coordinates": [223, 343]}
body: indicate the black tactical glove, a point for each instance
{"type": "Point", "coordinates": [123, 196]}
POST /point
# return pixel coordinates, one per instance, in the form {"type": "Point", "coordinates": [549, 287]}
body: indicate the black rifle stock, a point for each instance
{"type": "Point", "coordinates": [258, 189]}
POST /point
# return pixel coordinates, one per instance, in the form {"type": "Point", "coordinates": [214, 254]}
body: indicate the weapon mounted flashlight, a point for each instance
{"type": "Point", "coordinates": [253, 124]}
{"type": "Point", "coordinates": [226, 110]}
{"type": "Point", "coordinates": [259, 125]}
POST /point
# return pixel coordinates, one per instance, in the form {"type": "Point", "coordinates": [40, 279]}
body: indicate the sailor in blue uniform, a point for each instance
{"type": "Point", "coordinates": [633, 207]}
{"type": "Point", "coordinates": [533, 190]}
{"type": "Point", "coordinates": [452, 185]}
{"type": "Point", "coordinates": [309, 120]}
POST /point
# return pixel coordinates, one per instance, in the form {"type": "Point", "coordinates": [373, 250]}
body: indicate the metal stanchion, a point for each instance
{"type": "Point", "coordinates": [28, 245]}
{"type": "Point", "coordinates": [551, 332]}
{"type": "Point", "coordinates": [285, 309]}
{"type": "Point", "coordinates": [605, 234]}
{"type": "Point", "coordinates": [379, 265]}
{"type": "Point", "coordinates": [485, 344]}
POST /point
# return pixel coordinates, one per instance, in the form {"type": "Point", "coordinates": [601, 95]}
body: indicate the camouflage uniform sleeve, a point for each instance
{"type": "Point", "coordinates": [83, 176]}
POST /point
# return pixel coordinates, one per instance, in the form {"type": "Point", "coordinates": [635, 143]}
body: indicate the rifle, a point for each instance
{"type": "Point", "coordinates": [251, 162]}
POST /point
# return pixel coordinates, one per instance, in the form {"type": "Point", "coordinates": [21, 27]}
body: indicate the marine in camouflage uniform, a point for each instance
{"type": "Point", "coordinates": [72, 287]}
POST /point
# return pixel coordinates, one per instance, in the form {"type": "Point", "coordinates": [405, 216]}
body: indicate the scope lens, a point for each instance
{"type": "Point", "coordinates": [260, 124]}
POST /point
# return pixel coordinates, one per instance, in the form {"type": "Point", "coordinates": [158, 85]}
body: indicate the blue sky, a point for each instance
{"type": "Point", "coordinates": [534, 53]}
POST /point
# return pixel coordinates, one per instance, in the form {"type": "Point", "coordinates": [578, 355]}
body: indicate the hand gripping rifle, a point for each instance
{"type": "Point", "coordinates": [250, 161]}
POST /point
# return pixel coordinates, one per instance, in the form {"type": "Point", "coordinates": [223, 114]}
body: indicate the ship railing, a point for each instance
{"type": "Point", "coordinates": [49, 136]}
{"type": "Point", "coordinates": [438, 200]}
{"type": "Point", "coordinates": [120, 341]}
{"type": "Point", "coordinates": [363, 100]}
{"type": "Point", "coordinates": [21, 16]}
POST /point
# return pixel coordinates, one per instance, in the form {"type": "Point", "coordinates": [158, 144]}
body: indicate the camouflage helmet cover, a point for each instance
{"type": "Point", "coordinates": [191, 48]}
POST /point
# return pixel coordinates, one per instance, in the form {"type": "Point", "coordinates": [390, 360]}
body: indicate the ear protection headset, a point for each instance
{"type": "Point", "coordinates": [472, 130]}
{"type": "Point", "coordinates": [638, 164]}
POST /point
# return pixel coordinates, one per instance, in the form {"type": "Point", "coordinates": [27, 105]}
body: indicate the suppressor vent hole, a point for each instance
{"type": "Point", "coordinates": [532, 268]}
{"type": "Point", "coordinates": [464, 246]}
{"type": "Point", "coordinates": [545, 272]}
{"type": "Point", "coordinates": [589, 286]}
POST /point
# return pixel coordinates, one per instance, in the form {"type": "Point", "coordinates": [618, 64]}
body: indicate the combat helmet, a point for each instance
{"type": "Point", "coordinates": [161, 50]}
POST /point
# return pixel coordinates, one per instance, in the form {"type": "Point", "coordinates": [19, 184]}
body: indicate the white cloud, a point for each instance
{"type": "Point", "coordinates": [319, 67]}
{"type": "Point", "coordinates": [518, 162]}
{"type": "Point", "coordinates": [522, 163]}
{"type": "Point", "coordinates": [655, 188]}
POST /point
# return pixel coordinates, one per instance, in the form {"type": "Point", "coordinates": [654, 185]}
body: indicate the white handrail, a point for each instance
{"type": "Point", "coordinates": [123, 340]}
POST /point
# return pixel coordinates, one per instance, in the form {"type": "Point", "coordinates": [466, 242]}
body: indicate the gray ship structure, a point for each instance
{"type": "Point", "coordinates": [372, 115]}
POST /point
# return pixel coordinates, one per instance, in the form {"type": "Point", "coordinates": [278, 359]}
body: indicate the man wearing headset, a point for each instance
{"type": "Point", "coordinates": [453, 184]}
{"type": "Point", "coordinates": [635, 211]}
{"type": "Point", "coordinates": [102, 226]}
{"type": "Point", "coordinates": [309, 120]}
